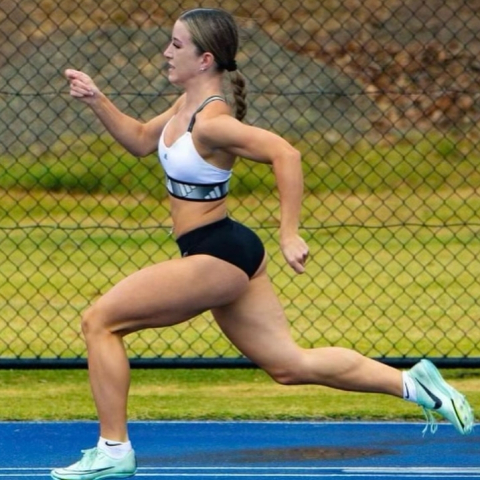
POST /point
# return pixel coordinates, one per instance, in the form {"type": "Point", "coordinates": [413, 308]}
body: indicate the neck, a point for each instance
{"type": "Point", "coordinates": [202, 88]}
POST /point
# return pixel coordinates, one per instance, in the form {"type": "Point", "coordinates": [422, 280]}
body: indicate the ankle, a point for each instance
{"type": "Point", "coordinates": [409, 388]}
{"type": "Point", "coordinates": [114, 448]}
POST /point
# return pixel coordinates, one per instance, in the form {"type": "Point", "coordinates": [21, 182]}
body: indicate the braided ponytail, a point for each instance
{"type": "Point", "coordinates": [238, 83]}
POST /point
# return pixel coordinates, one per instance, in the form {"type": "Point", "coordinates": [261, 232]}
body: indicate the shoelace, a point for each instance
{"type": "Point", "coordinates": [431, 421]}
{"type": "Point", "coordinates": [433, 425]}
{"type": "Point", "coordinates": [88, 457]}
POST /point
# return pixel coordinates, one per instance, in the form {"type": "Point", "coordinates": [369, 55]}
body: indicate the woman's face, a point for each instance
{"type": "Point", "coordinates": [184, 63]}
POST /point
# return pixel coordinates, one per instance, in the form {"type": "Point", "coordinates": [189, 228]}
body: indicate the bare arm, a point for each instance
{"type": "Point", "coordinates": [138, 138]}
{"type": "Point", "coordinates": [262, 146]}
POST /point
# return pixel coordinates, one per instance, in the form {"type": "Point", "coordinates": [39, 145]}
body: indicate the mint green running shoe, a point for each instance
{"type": "Point", "coordinates": [434, 394]}
{"type": "Point", "coordinates": [96, 464]}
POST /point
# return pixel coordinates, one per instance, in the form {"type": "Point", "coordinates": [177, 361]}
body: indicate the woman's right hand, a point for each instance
{"type": "Point", "coordinates": [82, 86]}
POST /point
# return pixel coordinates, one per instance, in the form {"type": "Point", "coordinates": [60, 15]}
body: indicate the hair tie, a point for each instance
{"type": "Point", "coordinates": [231, 66]}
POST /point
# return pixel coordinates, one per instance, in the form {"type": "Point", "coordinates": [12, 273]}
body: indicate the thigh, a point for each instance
{"type": "Point", "coordinates": [256, 324]}
{"type": "Point", "coordinates": [170, 293]}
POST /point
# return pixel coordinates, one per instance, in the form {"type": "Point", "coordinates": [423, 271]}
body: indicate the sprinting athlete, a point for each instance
{"type": "Point", "coordinates": [222, 267]}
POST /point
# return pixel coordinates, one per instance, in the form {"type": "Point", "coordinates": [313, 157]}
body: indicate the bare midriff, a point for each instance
{"type": "Point", "coordinates": [188, 215]}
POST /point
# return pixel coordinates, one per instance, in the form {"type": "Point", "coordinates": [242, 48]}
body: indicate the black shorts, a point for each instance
{"type": "Point", "coordinates": [228, 240]}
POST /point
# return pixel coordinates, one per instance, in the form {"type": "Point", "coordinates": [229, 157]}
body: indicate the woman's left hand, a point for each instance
{"type": "Point", "coordinates": [295, 251]}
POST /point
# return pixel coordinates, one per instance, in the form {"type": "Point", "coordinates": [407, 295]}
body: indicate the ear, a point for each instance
{"type": "Point", "coordinates": [207, 61]}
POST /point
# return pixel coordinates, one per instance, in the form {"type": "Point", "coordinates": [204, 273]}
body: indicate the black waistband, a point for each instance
{"type": "Point", "coordinates": [191, 237]}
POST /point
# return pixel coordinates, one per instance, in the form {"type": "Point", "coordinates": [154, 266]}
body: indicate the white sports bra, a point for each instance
{"type": "Point", "coordinates": [189, 176]}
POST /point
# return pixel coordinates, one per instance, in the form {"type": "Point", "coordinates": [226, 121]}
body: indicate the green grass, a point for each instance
{"type": "Point", "coordinates": [205, 394]}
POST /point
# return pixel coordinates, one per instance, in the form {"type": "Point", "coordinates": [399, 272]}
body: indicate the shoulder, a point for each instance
{"type": "Point", "coordinates": [217, 126]}
{"type": "Point", "coordinates": [212, 119]}
{"type": "Point", "coordinates": [215, 108]}
{"type": "Point", "coordinates": [216, 115]}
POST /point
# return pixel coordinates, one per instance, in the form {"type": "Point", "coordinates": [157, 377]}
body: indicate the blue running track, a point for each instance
{"type": "Point", "coordinates": [252, 450]}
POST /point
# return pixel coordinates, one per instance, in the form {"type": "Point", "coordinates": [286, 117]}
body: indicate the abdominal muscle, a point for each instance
{"type": "Point", "coordinates": [188, 215]}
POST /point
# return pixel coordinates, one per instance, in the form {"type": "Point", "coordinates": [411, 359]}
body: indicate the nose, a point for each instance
{"type": "Point", "coordinates": [168, 51]}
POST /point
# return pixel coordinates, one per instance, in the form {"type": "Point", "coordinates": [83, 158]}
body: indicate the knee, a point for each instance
{"type": "Point", "coordinates": [296, 368]}
{"type": "Point", "coordinates": [93, 322]}
{"type": "Point", "coordinates": [287, 375]}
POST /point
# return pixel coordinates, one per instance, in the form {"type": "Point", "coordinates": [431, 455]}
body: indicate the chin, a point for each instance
{"type": "Point", "coordinates": [173, 79]}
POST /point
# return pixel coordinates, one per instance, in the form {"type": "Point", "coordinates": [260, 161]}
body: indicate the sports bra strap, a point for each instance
{"type": "Point", "coordinates": [201, 107]}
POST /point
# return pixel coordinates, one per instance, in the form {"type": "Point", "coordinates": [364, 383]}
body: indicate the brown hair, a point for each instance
{"type": "Point", "coordinates": [214, 30]}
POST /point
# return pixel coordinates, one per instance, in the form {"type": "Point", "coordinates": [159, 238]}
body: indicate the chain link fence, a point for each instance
{"type": "Point", "coordinates": [381, 97]}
